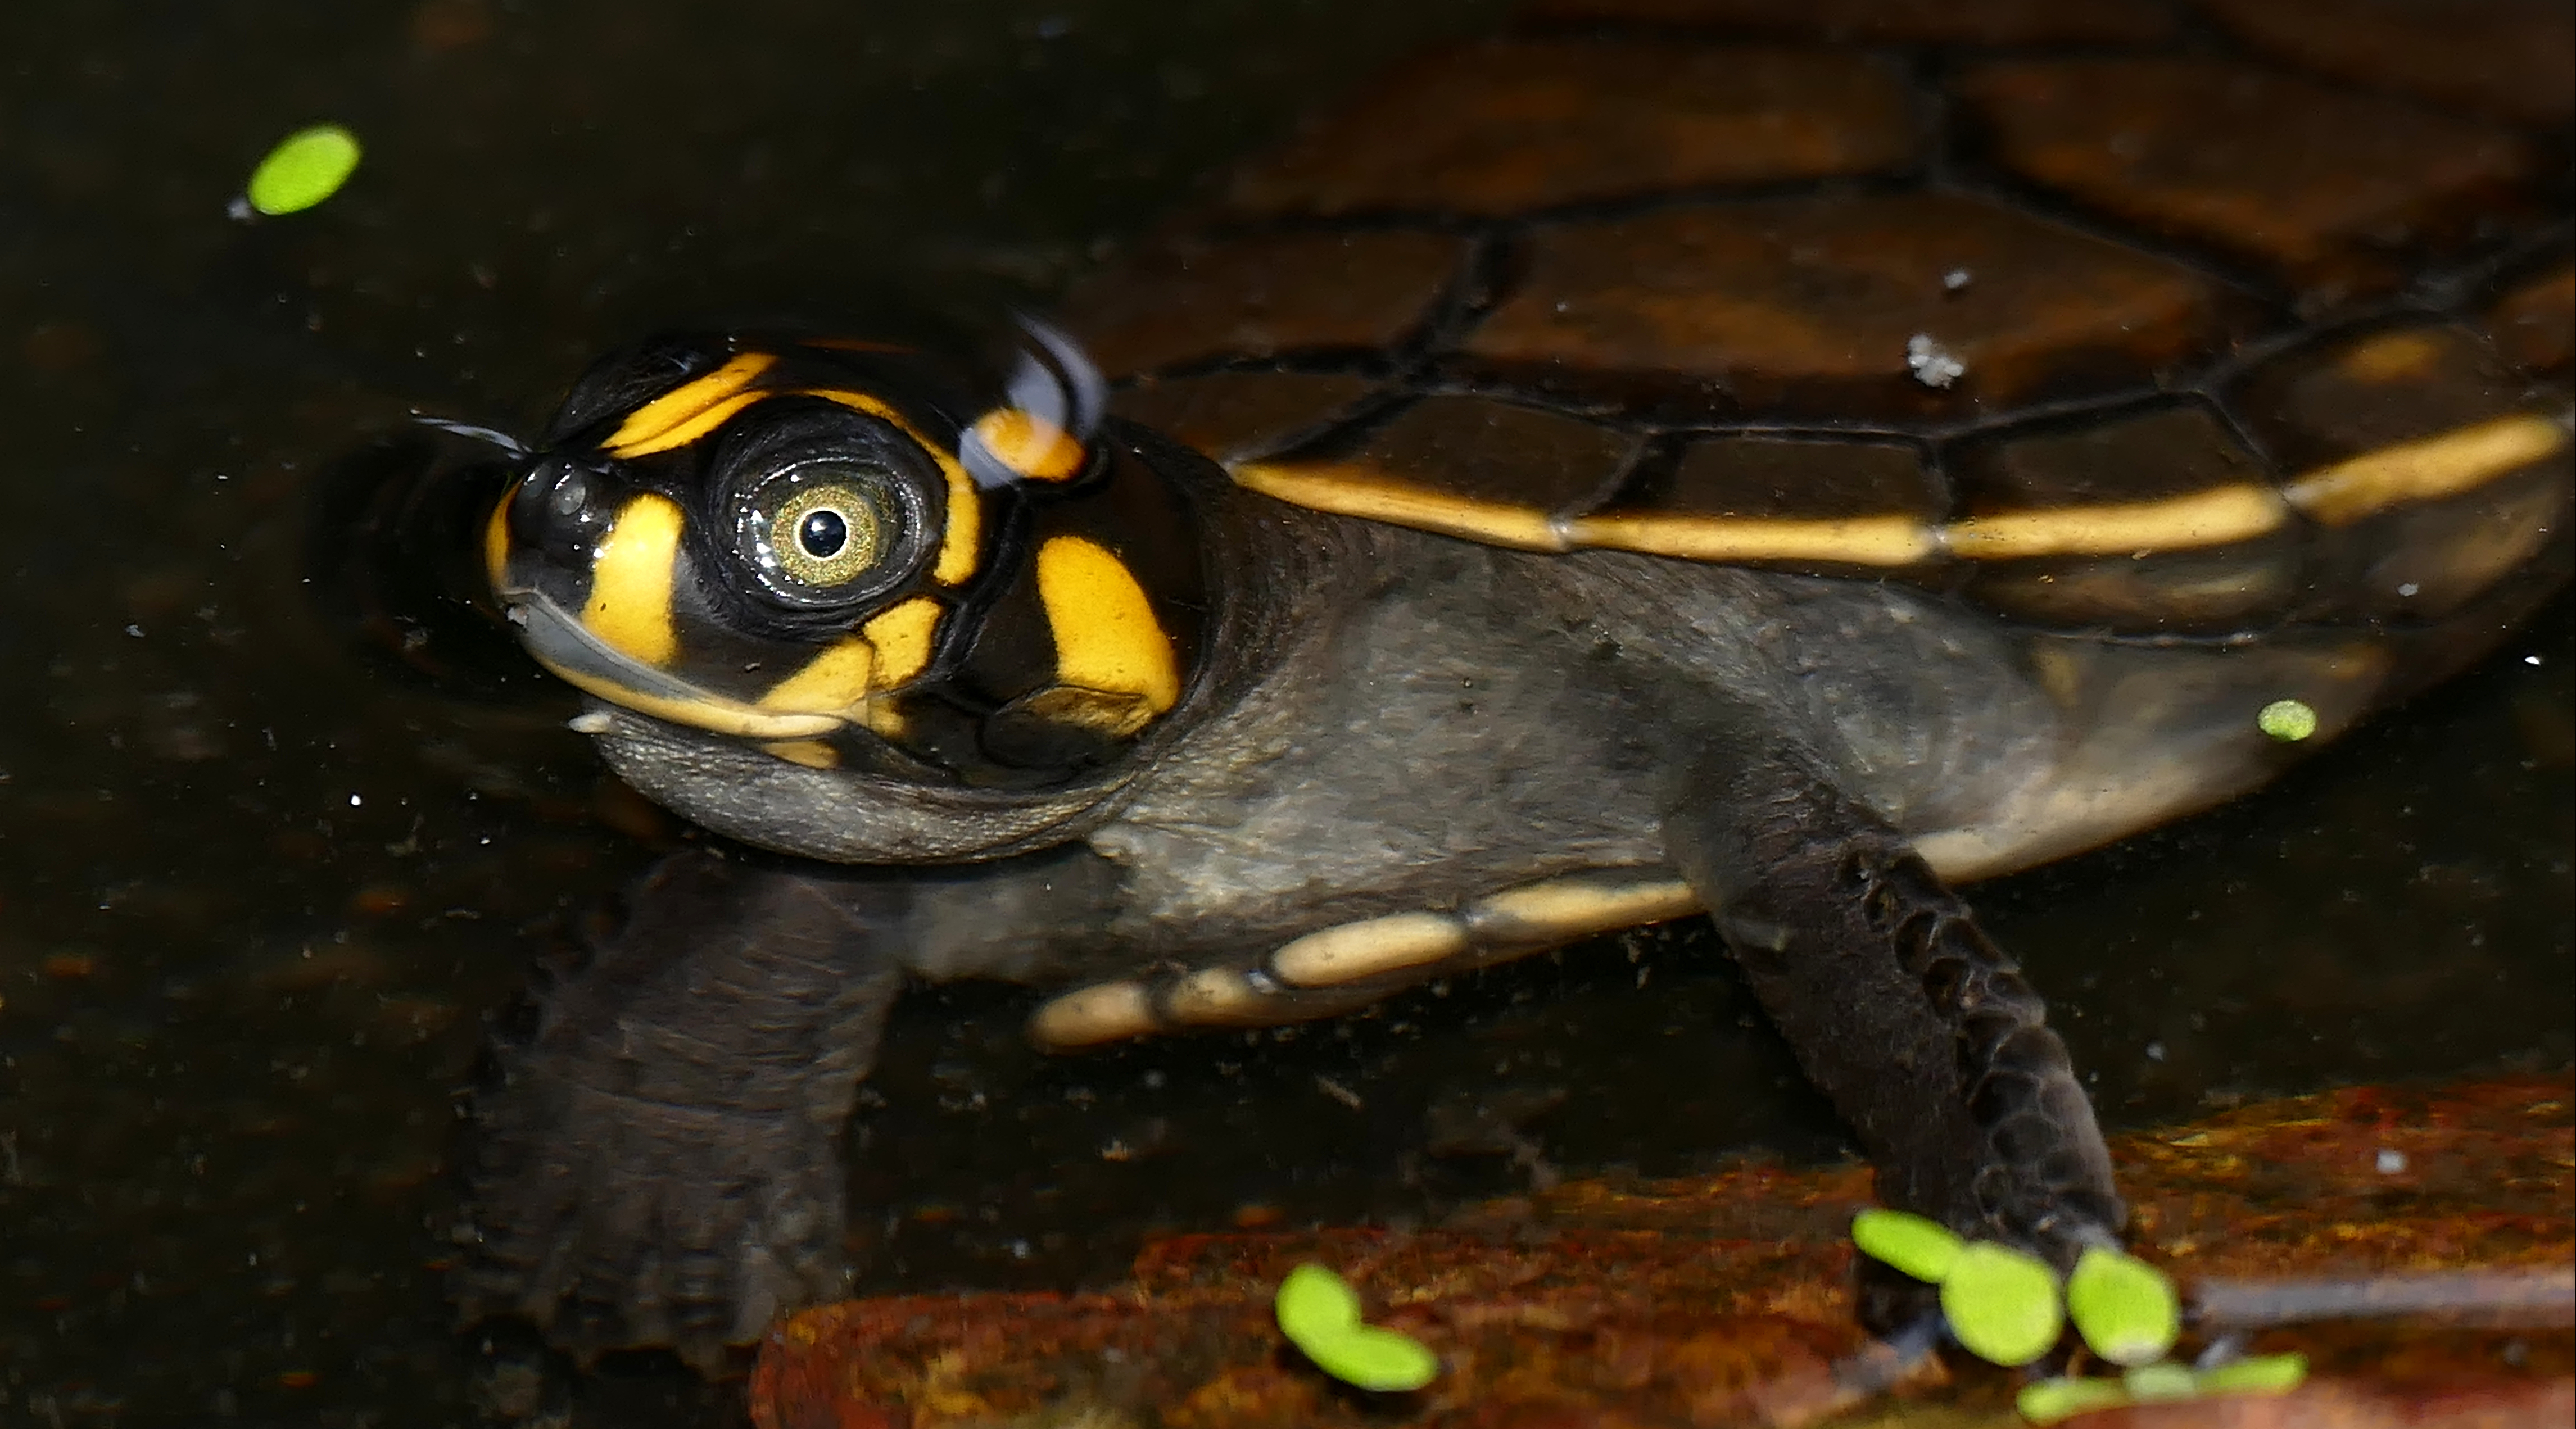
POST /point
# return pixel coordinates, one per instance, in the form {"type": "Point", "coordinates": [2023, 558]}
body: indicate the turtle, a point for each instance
{"type": "Point", "coordinates": [1666, 457]}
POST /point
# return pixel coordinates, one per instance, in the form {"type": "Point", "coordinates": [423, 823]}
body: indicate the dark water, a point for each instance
{"type": "Point", "coordinates": [255, 903]}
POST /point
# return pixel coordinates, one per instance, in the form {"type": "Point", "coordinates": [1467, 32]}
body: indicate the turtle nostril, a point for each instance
{"type": "Point", "coordinates": [570, 495]}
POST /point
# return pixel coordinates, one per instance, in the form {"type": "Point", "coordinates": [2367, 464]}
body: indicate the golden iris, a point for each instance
{"type": "Point", "coordinates": [825, 535]}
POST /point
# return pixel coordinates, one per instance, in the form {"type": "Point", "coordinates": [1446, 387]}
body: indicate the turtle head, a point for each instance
{"type": "Point", "coordinates": [857, 557]}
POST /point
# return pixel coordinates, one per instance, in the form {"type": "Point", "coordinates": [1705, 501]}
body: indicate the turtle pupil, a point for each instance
{"type": "Point", "coordinates": [823, 534]}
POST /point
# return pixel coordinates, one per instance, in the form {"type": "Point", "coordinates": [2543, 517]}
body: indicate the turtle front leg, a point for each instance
{"type": "Point", "coordinates": [659, 1164]}
{"type": "Point", "coordinates": [1921, 1031]}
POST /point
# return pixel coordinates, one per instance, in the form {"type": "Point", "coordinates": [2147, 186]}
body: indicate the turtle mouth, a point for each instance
{"type": "Point", "coordinates": [558, 640]}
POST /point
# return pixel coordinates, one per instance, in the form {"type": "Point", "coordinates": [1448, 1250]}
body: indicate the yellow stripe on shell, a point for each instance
{"type": "Point", "coordinates": [631, 570]}
{"type": "Point", "coordinates": [658, 424]}
{"type": "Point", "coordinates": [1859, 541]}
{"type": "Point", "coordinates": [1106, 636]}
{"type": "Point", "coordinates": [1029, 444]}
{"type": "Point", "coordinates": [958, 541]}
{"type": "Point", "coordinates": [2425, 470]}
{"type": "Point", "coordinates": [496, 544]}
{"type": "Point", "coordinates": [2216, 517]}
{"type": "Point", "coordinates": [2459, 460]}
{"type": "Point", "coordinates": [1346, 491]}
{"type": "Point", "coordinates": [2391, 357]}
{"type": "Point", "coordinates": [902, 637]}
{"type": "Point", "coordinates": [833, 682]}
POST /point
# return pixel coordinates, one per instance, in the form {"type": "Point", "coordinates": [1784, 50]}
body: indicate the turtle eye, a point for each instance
{"type": "Point", "coordinates": [825, 533]}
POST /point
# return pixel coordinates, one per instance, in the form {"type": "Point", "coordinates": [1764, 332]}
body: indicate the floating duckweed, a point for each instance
{"type": "Point", "coordinates": [2260, 1374]}
{"type": "Point", "coordinates": [2049, 1400]}
{"type": "Point", "coordinates": [2161, 1381]}
{"type": "Point", "coordinates": [1320, 1314]}
{"type": "Point", "coordinates": [305, 168]}
{"type": "Point", "coordinates": [2002, 1304]}
{"type": "Point", "coordinates": [2288, 721]}
{"type": "Point", "coordinates": [2125, 1308]}
{"type": "Point", "coordinates": [1922, 1248]}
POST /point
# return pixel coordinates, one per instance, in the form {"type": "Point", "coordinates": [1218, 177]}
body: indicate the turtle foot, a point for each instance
{"type": "Point", "coordinates": [658, 1165]}
{"type": "Point", "coordinates": [614, 1222]}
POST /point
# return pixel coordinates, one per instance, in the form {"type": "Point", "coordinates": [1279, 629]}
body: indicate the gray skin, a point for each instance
{"type": "Point", "coordinates": [1388, 721]}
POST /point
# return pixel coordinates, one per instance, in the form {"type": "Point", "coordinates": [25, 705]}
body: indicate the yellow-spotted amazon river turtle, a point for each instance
{"type": "Point", "coordinates": [1782, 460]}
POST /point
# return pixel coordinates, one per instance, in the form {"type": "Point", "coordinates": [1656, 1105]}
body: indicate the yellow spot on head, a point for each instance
{"type": "Point", "coordinates": [1106, 636]}
{"type": "Point", "coordinates": [1029, 444]}
{"type": "Point", "coordinates": [832, 682]}
{"type": "Point", "coordinates": [690, 410]}
{"type": "Point", "coordinates": [957, 544]}
{"type": "Point", "coordinates": [631, 572]}
{"type": "Point", "coordinates": [496, 544]}
{"type": "Point", "coordinates": [902, 636]}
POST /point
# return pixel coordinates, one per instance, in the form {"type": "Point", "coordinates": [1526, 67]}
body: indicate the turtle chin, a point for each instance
{"type": "Point", "coordinates": [845, 813]}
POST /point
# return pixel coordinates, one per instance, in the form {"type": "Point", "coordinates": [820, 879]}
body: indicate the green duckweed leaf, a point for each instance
{"type": "Point", "coordinates": [2288, 721]}
{"type": "Point", "coordinates": [2002, 1304]}
{"type": "Point", "coordinates": [2161, 1381]}
{"type": "Point", "coordinates": [2049, 1400]}
{"type": "Point", "coordinates": [2259, 1374]}
{"type": "Point", "coordinates": [1320, 1314]}
{"type": "Point", "coordinates": [1377, 1359]}
{"type": "Point", "coordinates": [1922, 1248]}
{"type": "Point", "coordinates": [305, 168]}
{"type": "Point", "coordinates": [2124, 1308]}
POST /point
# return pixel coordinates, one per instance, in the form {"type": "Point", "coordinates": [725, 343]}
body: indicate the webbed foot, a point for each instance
{"type": "Point", "coordinates": [1919, 1029]}
{"type": "Point", "coordinates": [659, 1164]}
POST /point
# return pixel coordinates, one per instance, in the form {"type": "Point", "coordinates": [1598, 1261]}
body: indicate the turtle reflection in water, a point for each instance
{"type": "Point", "coordinates": [1656, 460]}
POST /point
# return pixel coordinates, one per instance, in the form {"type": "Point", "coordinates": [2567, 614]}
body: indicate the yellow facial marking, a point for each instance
{"type": "Point", "coordinates": [2206, 518]}
{"type": "Point", "coordinates": [957, 548]}
{"type": "Point", "coordinates": [1105, 1012]}
{"type": "Point", "coordinates": [902, 637]}
{"type": "Point", "coordinates": [630, 582]}
{"type": "Point", "coordinates": [2459, 460]}
{"type": "Point", "coordinates": [717, 716]}
{"type": "Point", "coordinates": [1860, 541]}
{"type": "Point", "coordinates": [1350, 492]}
{"type": "Point", "coordinates": [496, 544]}
{"type": "Point", "coordinates": [1029, 444]}
{"type": "Point", "coordinates": [957, 543]}
{"type": "Point", "coordinates": [812, 753]}
{"type": "Point", "coordinates": [1106, 636]}
{"type": "Point", "coordinates": [833, 682]}
{"type": "Point", "coordinates": [690, 410]}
